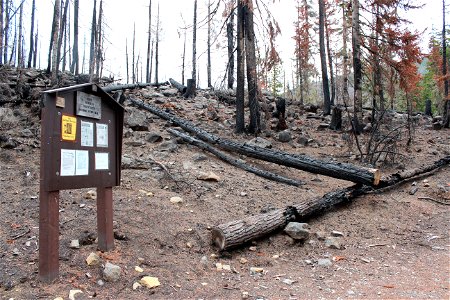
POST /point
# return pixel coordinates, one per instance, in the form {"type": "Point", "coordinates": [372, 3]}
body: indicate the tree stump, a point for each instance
{"type": "Point", "coordinates": [190, 91]}
{"type": "Point", "coordinates": [336, 118]}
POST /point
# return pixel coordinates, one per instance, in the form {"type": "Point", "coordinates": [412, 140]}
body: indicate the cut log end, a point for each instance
{"type": "Point", "coordinates": [218, 238]}
{"type": "Point", "coordinates": [376, 176]}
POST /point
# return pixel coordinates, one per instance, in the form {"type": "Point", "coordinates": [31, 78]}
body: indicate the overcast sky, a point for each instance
{"type": "Point", "coordinates": [120, 16]}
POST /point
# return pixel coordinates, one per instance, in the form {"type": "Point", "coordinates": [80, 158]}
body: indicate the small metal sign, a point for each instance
{"type": "Point", "coordinates": [88, 105]}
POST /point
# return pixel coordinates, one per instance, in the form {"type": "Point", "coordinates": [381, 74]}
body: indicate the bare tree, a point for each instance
{"type": "Point", "coordinates": [357, 68]}
{"type": "Point", "coordinates": [191, 83]}
{"type": "Point", "coordinates": [126, 58]}
{"type": "Point", "coordinates": [20, 59]}
{"type": "Point", "coordinates": [1, 31]}
{"type": "Point", "coordinates": [53, 53]}
{"type": "Point", "coordinates": [157, 47]}
{"type": "Point", "coordinates": [133, 74]}
{"type": "Point", "coordinates": [240, 122]}
{"type": "Point", "coordinates": [61, 34]}
{"type": "Point", "coordinates": [6, 32]}
{"type": "Point", "coordinates": [75, 66]}
{"type": "Point", "coordinates": [99, 50]}
{"type": "Point", "coordinates": [345, 93]}
{"type": "Point", "coordinates": [148, 78]}
{"type": "Point", "coordinates": [93, 42]}
{"type": "Point", "coordinates": [30, 55]}
{"type": "Point", "coordinates": [208, 68]}
{"type": "Point", "coordinates": [36, 47]}
{"type": "Point", "coordinates": [230, 38]}
{"type": "Point", "coordinates": [444, 71]}
{"type": "Point", "coordinates": [323, 60]}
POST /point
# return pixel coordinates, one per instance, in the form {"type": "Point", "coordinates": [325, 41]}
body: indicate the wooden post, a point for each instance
{"type": "Point", "coordinates": [48, 235]}
{"type": "Point", "coordinates": [105, 218]}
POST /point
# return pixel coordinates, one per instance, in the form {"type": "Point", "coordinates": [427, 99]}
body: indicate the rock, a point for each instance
{"type": "Point", "coordinates": [91, 195]}
{"type": "Point", "coordinates": [297, 231]}
{"type": "Point", "coordinates": [57, 298]}
{"type": "Point", "coordinates": [136, 119]}
{"type": "Point", "coordinates": [93, 259]}
{"type": "Point", "coordinates": [100, 282]}
{"type": "Point", "coordinates": [152, 94]}
{"type": "Point", "coordinates": [27, 133]}
{"type": "Point", "coordinates": [337, 233]}
{"type": "Point", "coordinates": [8, 143]}
{"type": "Point", "coordinates": [437, 126]}
{"type": "Point", "coordinates": [303, 140]}
{"type": "Point", "coordinates": [245, 295]}
{"type": "Point", "coordinates": [168, 146]}
{"type": "Point", "coordinates": [73, 293]}
{"type": "Point", "coordinates": [210, 176]}
{"type": "Point", "coordinates": [75, 244]}
{"type": "Point", "coordinates": [259, 142]}
{"type": "Point", "coordinates": [150, 282]}
{"type": "Point", "coordinates": [170, 92]}
{"type": "Point", "coordinates": [176, 200]}
{"type": "Point", "coordinates": [138, 269]}
{"type": "Point", "coordinates": [199, 157]}
{"type": "Point", "coordinates": [324, 262]}
{"type": "Point", "coordinates": [243, 260]}
{"type": "Point", "coordinates": [243, 194]}
{"type": "Point", "coordinates": [111, 272]}
{"type": "Point", "coordinates": [284, 136]}
{"type": "Point", "coordinates": [153, 137]}
{"type": "Point", "coordinates": [136, 285]}
{"type": "Point", "coordinates": [160, 101]}
{"type": "Point", "coordinates": [288, 281]}
{"type": "Point", "coordinates": [368, 127]}
{"type": "Point", "coordinates": [256, 270]}
{"type": "Point", "coordinates": [333, 242]}
{"type": "Point", "coordinates": [16, 252]}
{"type": "Point", "coordinates": [413, 190]}
{"type": "Point", "coordinates": [323, 126]}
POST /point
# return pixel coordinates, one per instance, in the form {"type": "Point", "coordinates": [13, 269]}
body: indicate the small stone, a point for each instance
{"type": "Point", "coordinates": [93, 259]}
{"type": "Point", "coordinates": [204, 260]}
{"type": "Point", "coordinates": [324, 262]}
{"type": "Point", "coordinates": [111, 272]}
{"type": "Point", "coordinates": [226, 267]}
{"type": "Point", "coordinates": [350, 292]}
{"type": "Point", "coordinates": [243, 194]}
{"type": "Point", "coordinates": [308, 262]}
{"type": "Point", "coordinates": [252, 248]}
{"type": "Point", "coordinates": [256, 270]}
{"type": "Point", "coordinates": [152, 137]}
{"type": "Point", "coordinates": [91, 195]}
{"type": "Point", "coordinates": [176, 200]}
{"type": "Point", "coordinates": [413, 190]}
{"type": "Point", "coordinates": [150, 282]}
{"type": "Point", "coordinates": [136, 285]}
{"type": "Point", "coordinates": [288, 281]}
{"type": "Point", "coordinates": [199, 157]}
{"type": "Point", "coordinates": [75, 244]}
{"type": "Point", "coordinates": [297, 230]}
{"type": "Point", "coordinates": [100, 282]}
{"type": "Point", "coordinates": [210, 176]}
{"type": "Point", "coordinates": [259, 142]}
{"type": "Point", "coordinates": [16, 252]}
{"type": "Point", "coordinates": [138, 269]}
{"type": "Point", "coordinates": [57, 298]}
{"type": "Point", "coordinates": [245, 295]}
{"type": "Point", "coordinates": [333, 242]}
{"type": "Point", "coordinates": [219, 266]}
{"type": "Point", "coordinates": [243, 260]}
{"type": "Point", "coordinates": [303, 140]}
{"type": "Point", "coordinates": [284, 136]}
{"type": "Point", "coordinates": [321, 235]}
{"type": "Point", "coordinates": [336, 233]}
{"type": "Point", "coordinates": [73, 293]}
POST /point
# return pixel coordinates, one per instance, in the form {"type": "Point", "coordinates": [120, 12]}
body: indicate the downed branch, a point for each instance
{"type": "Point", "coordinates": [112, 88]}
{"type": "Point", "coordinates": [181, 88]}
{"type": "Point", "coordinates": [302, 162]}
{"type": "Point", "coordinates": [233, 161]}
{"type": "Point", "coordinates": [238, 232]}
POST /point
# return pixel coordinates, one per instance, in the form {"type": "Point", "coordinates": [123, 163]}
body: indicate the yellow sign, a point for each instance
{"type": "Point", "coordinates": [68, 128]}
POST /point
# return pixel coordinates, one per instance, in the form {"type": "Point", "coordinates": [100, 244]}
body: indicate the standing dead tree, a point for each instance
{"type": "Point", "coordinates": [147, 72]}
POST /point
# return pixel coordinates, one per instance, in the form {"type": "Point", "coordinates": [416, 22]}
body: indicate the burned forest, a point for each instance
{"type": "Point", "coordinates": [240, 149]}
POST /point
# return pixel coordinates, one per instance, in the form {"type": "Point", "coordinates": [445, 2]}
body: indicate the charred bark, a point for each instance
{"type": "Point", "coordinates": [181, 88]}
{"type": "Point", "coordinates": [190, 90]}
{"type": "Point", "coordinates": [112, 88]}
{"type": "Point", "coordinates": [302, 162]}
{"type": "Point", "coordinates": [236, 233]}
{"type": "Point", "coordinates": [233, 161]}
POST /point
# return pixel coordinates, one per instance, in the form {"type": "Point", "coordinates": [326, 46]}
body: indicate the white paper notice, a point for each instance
{"type": "Point", "coordinates": [82, 162]}
{"type": "Point", "coordinates": [102, 135]}
{"type": "Point", "coordinates": [67, 162]}
{"type": "Point", "coordinates": [101, 161]}
{"type": "Point", "coordinates": [87, 134]}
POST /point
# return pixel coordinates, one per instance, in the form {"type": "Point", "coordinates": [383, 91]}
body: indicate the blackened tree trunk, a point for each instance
{"type": "Point", "coordinates": [147, 72]}
{"type": "Point", "coordinates": [93, 42]}
{"type": "Point", "coordinates": [1, 32]}
{"type": "Point", "coordinates": [345, 64]}
{"type": "Point", "coordinates": [99, 50]}
{"type": "Point", "coordinates": [157, 48]}
{"type": "Point", "coordinates": [444, 71]}
{"type": "Point", "coordinates": [250, 57]}
{"type": "Point", "coordinates": [35, 48]}
{"type": "Point", "coordinates": [6, 35]}
{"type": "Point", "coordinates": [330, 60]}
{"type": "Point", "coordinates": [194, 46]}
{"type": "Point", "coordinates": [184, 58]}
{"type": "Point", "coordinates": [357, 68]}
{"type": "Point", "coordinates": [75, 66]}
{"type": "Point", "coordinates": [20, 58]}
{"type": "Point", "coordinates": [240, 80]}
{"type": "Point", "coordinates": [230, 38]}
{"type": "Point", "coordinates": [126, 60]}
{"type": "Point", "coordinates": [53, 53]}
{"type": "Point", "coordinates": [30, 55]}
{"type": "Point", "coordinates": [323, 60]}
{"type": "Point", "coordinates": [209, 45]}
{"type": "Point", "coordinates": [133, 70]}
{"type": "Point", "coordinates": [61, 34]}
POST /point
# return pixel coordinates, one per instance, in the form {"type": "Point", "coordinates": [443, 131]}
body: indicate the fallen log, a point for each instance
{"type": "Point", "coordinates": [343, 171]}
{"type": "Point", "coordinates": [181, 88]}
{"type": "Point", "coordinates": [112, 88]}
{"type": "Point", "coordinates": [235, 233]}
{"type": "Point", "coordinates": [233, 161]}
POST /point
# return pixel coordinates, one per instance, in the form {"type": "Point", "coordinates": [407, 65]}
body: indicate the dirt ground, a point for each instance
{"type": "Point", "coordinates": [394, 245]}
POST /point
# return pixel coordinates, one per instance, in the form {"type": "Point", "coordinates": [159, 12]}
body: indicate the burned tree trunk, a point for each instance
{"type": "Point", "coordinates": [235, 233]}
{"type": "Point", "coordinates": [302, 162]}
{"type": "Point", "coordinates": [281, 114]}
{"type": "Point", "coordinates": [190, 90]}
{"type": "Point", "coordinates": [181, 88]}
{"type": "Point", "coordinates": [336, 119]}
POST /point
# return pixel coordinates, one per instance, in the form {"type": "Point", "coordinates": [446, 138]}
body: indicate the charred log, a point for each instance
{"type": "Point", "coordinates": [112, 88]}
{"type": "Point", "coordinates": [302, 162]}
{"type": "Point", "coordinates": [233, 161]}
{"type": "Point", "coordinates": [181, 88]}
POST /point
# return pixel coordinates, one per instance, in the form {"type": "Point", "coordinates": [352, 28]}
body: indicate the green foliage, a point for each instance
{"type": "Point", "coordinates": [428, 89]}
{"type": "Point", "coordinates": [275, 84]}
